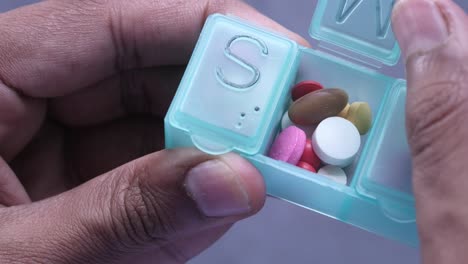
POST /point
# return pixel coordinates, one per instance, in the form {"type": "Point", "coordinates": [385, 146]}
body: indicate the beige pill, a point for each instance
{"type": "Point", "coordinates": [313, 108]}
{"type": "Point", "coordinates": [344, 112]}
{"type": "Point", "coordinates": [360, 115]}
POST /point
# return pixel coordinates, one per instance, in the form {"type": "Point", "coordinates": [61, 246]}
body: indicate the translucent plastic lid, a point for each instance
{"type": "Point", "coordinates": [359, 26]}
{"type": "Point", "coordinates": [228, 99]}
{"type": "Point", "coordinates": [362, 30]}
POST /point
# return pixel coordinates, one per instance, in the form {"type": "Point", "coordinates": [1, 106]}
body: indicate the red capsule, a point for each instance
{"type": "Point", "coordinates": [309, 156]}
{"type": "Point", "coordinates": [306, 166]}
{"type": "Point", "coordinates": [304, 88]}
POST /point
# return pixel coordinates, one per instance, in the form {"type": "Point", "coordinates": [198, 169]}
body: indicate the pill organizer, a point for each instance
{"type": "Point", "coordinates": [237, 87]}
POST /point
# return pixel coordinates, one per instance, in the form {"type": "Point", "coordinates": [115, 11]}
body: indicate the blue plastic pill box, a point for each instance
{"type": "Point", "coordinates": [237, 87]}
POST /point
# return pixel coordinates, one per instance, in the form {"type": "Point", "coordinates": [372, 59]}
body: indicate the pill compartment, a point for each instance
{"type": "Point", "coordinates": [378, 194]}
{"type": "Point", "coordinates": [359, 83]}
{"type": "Point", "coordinates": [392, 163]}
{"type": "Point", "coordinates": [236, 89]}
{"type": "Point", "coordinates": [386, 172]}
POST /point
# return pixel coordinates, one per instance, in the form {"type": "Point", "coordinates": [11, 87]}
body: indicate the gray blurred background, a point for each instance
{"type": "Point", "coordinates": [284, 233]}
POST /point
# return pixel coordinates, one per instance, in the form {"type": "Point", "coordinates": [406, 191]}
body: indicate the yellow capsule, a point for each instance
{"type": "Point", "coordinates": [360, 115]}
{"type": "Point", "coordinates": [344, 112]}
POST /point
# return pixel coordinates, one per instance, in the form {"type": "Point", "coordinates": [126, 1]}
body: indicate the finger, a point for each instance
{"type": "Point", "coordinates": [147, 91]}
{"type": "Point", "coordinates": [74, 44]}
{"type": "Point", "coordinates": [20, 119]}
{"type": "Point", "coordinates": [436, 51]}
{"type": "Point", "coordinates": [59, 159]}
{"type": "Point", "coordinates": [434, 38]}
{"type": "Point", "coordinates": [11, 191]}
{"type": "Point", "coordinates": [42, 165]}
{"type": "Point", "coordinates": [141, 205]}
{"type": "Point", "coordinates": [112, 144]}
{"type": "Point", "coordinates": [183, 249]}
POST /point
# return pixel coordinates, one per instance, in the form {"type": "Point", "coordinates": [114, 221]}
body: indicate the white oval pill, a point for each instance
{"type": "Point", "coordinates": [335, 173]}
{"type": "Point", "coordinates": [336, 141]}
{"type": "Point", "coordinates": [286, 122]}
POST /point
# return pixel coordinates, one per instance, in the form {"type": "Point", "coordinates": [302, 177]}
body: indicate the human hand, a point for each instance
{"type": "Point", "coordinates": [434, 37]}
{"type": "Point", "coordinates": [84, 88]}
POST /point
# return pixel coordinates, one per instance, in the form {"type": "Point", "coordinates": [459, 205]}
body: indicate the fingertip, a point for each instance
{"type": "Point", "coordinates": [455, 16]}
{"type": "Point", "coordinates": [419, 26]}
{"type": "Point", "coordinates": [247, 12]}
{"type": "Point", "coordinates": [250, 178]}
{"type": "Point", "coordinates": [422, 26]}
{"type": "Point", "coordinates": [226, 186]}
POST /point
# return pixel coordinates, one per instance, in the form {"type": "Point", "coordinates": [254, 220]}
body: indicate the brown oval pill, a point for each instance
{"type": "Point", "coordinates": [360, 115]}
{"type": "Point", "coordinates": [313, 108]}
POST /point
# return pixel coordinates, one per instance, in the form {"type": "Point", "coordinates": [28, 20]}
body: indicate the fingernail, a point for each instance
{"type": "Point", "coordinates": [419, 26]}
{"type": "Point", "coordinates": [217, 190]}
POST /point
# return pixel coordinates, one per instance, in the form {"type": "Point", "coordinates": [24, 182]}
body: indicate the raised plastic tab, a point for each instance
{"type": "Point", "coordinates": [360, 26]}
{"type": "Point", "coordinates": [229, 96]}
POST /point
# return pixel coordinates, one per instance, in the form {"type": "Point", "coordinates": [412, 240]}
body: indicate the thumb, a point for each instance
{"type": "Point", "coordinates": [433, 35]}
{"type": "Point", "coordinates": [140, 207]}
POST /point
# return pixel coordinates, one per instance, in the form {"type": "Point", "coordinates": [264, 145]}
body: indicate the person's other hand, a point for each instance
{"type": "Point", "coordinates": [84, 86]}
{"type": "Point", "coordinates": [434, 37]}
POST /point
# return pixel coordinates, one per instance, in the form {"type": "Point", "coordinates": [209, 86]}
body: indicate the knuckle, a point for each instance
{"type": "Point", "coordinates": [123, 38]}
{"type": "Point", "coordinates": [144, 213]}
{"type": "Point", "coordinates": [436, 109]}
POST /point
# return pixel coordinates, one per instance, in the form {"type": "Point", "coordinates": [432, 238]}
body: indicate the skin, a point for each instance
{"type": "Point", "coordinates": [437, 124]}
{"type": "Point", "coordinates": [75, 79]}
{"type": "Point", "coordinates": [86, 81]}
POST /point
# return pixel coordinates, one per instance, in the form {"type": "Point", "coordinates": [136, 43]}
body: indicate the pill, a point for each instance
{"type": "Point", "coordinates": [286, 122]}
{"type": "Point", "coordinates": [289, 145]}
{"type": "Point", "coordinates": [344, 112]}
{"type": "Point", "coordinates": [335, 173]}
{"type": "Point", "coordinates": [360, 115]}
{"type": "Point", "coordinates": [336, 141]}
{"type": "Point", "coordinates": [303, 88]}
{"type": "Point", "coordinates": [306, 166]}
{"type": "Point", "coordinates": [314, 107]}
{"type": "Point", "coordinates": [309, 155]}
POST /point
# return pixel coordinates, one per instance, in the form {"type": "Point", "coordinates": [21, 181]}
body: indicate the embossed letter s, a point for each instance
{"type": "Point", "coordinates": [246, 65]}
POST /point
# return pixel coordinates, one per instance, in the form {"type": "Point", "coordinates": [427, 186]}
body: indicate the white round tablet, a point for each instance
{"type": "Point", "coordinates": [335, 173]}
{"type": "Point", "coordinates": [336, 141]}
{"type": "Point", "coordinates": [286, 122]}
